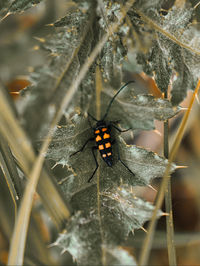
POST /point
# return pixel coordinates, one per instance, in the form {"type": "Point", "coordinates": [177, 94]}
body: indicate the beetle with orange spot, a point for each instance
{"type": "Point", "coordinates": [102, 138]}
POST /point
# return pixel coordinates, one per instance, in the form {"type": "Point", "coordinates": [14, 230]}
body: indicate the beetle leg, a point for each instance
{"type": "Point", "coordinates": [82, 147]}
{"type": "Point", "coordinates": [119, 129]}
{"type": "Point", "coordinates": [94, 148]}
{"type": "Point", "coordinates": [123, 162]}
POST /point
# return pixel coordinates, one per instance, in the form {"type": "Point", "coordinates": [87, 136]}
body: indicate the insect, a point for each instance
{"type": "Point", "coordinates": [102, 137]}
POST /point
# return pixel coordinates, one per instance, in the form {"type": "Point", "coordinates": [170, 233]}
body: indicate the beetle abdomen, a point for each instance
{"type": "Point", "coordinates": [103, 141]}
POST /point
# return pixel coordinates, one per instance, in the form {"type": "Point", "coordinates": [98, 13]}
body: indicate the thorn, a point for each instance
{"type": "Point", "coordinates": [152, 188]}
{"type": "Point", "coordinates": [196, 5]}
{"type": "Point", "coordinates": [51, 24]}
{"type": "Point", "coordinates": [62, 180]}
{"type": "Point", "coordinates": [36, 48]}
{"type": "Point", "coordinates": [42, 40]}
{"type": "Point", "coordinates": [53, 54]}
{"type": "Point", "coordinates": [165, 214]}
{"type": "Point", "coordinates": [181, 166]}
{"type": "Point", "coordinates": [52, 245]}
{"type": "Point", "coordinates": [63, 251]}
{"type": "Point", "coordinates": [30, 69]}
{"type": "Point", "coordinates": [74, 259]}
{"type": "Point", "coordinates": [143, 229]}
{"type": "Point", "coordinates": [158, 132]}
{"type": "Point", "coordinates": [15, 92]}
{"type": "Point", "coordinates": [197, 98]}
{"type": "Point", "coordinates": [63, 165]}
{"type": "Point", "coordinates": [5, 16]}
{"type": "Point", "coordinates": [54, 165]}
{"type": "Point", "coordinates": [184, 108]}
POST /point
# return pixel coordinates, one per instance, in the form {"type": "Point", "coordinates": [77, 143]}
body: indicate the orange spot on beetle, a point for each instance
{"type": "Point", "coordinates": [104, 129]}
{"type": "Point", "coordinates": [98, 138]}
{"type": "Point", "coordinates": [109, 154]}
{"type": "Point", "coordinates": [108, 145]}
{"type": "Point", "coordinates": [104, 155]}
{"type": "Point", "coordinates": [101, 147]}
{"type": "Point", "coordinates": [97, 132]}
{"type": "Point", "coordinates": [106, 136]}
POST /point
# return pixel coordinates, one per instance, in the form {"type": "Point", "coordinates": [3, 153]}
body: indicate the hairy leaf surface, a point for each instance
{"type": "Point", "coordinates": [51, 82]}
{"type": "Point", "coordinates": [70, 138]}
{"type": "Point", "coordinates": [133, 110]}
{"type": "Point", "coordinates": [140, 111]}
{"type": "Point", "coordinates": [107, 222]}
{"type": "Point", "coordinates": [175, 53]}
{"type": "Point", "coordinates": [120, 213]}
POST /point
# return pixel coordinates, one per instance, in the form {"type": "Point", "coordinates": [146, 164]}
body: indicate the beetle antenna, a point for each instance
{"type": "Point", "coordinates": [108, 108]}
{"type": "Point", "coordinates": [92, 117]}
{"type": "Point", "coordinates": [89, 122]}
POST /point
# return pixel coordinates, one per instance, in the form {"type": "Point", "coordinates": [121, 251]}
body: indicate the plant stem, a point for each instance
{"type": "Point", "coordinates": [168, 203]}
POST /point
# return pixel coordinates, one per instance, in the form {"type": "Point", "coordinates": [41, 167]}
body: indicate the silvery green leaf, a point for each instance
{"type": "Point", "coordinates": [111, 62]}
{"type": "Point", "coordinates": [131, 209]}
{"type": "Point", "coordinates": [175, 54]}
{"type": "Point", "coordinates": [145, 164]}
{"type": "Point", "coordinates": [133, 110]}
{"type": "Point", "coordinates": [91, 241]}
{"type": "Point", "coordinates": [50, 83]}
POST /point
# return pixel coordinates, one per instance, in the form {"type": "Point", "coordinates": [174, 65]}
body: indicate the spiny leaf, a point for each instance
{"type": "Point", "coordinates": [70, 45]}
{"type": "Point", "coordinates": [114, 51]}
{"type": "Point", "coordinates": [176, 51]}
{"type": "Point", "coordinates": [146, 165]}
{"type": "Point", "coordinates": [22, 5]}
{"type": "Point", "coordinates": [51, 82]}
{"type": "Point", "coordinates": [89, 239]}
{"type": "Point", "coordinates": [67, 33]}
{"type": "Point", "coordinates": [17, 6]}
{"type": "Point", "coordinates": [132, 210]}
{"type": "Point", "coordinates": [111, 62]}
{"type": "Point", "coordinates": [133, 110]}
{"type": "Point", "coordinates": [162, 68]}
{"type": "Point", "coordinates": [101, 226]}
{"type": "Point", "coordinates": [184, 81]}
{"type": "Point", "coordinates": [45, 97]}
{"type": "Point", "coordinates": [67, 138]}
